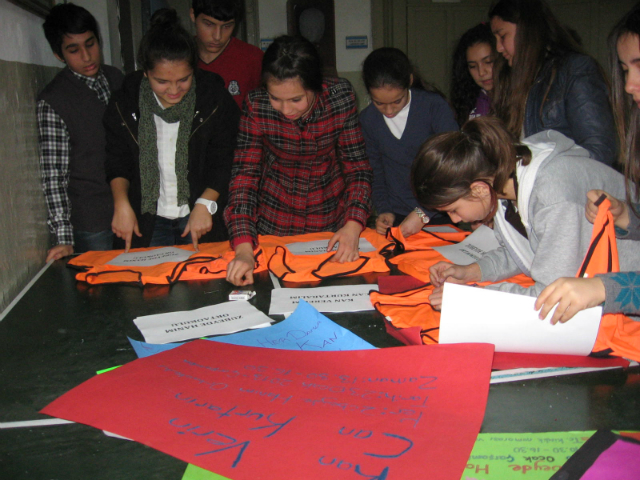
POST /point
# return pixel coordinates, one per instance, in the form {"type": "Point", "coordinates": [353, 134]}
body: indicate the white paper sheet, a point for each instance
{"type": "Point", "coordinates": [318, 247]}
{"type": "Point", "coordinates": [522, 374]}
{"type": "Point", "coordinates": [344, 298]}
{"type": "Point", "coordinates": [218, 319]}
{"type": "Point", "coordinates": [440, 229]}
{"type": "Point", "coordinates": [151, 257]}
{"type": "Point", "coordinates": [509, 321]}
{"type": "Point", "coordinates": [472, 248]}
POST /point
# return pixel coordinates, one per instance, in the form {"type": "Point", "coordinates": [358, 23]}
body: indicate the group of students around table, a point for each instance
{"type": "Point", "coordinates": [533, 136]}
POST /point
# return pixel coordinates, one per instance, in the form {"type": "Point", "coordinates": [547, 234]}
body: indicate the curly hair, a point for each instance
{"type": "Point", "coordinates": [464, 90]}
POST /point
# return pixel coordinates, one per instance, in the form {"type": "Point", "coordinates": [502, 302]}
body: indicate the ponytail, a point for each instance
{"type": "Point", "coordinates": [166, 40]}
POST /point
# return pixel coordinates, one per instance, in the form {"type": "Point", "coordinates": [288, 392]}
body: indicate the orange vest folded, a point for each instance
{"type": "Point", "coordinates": [618, 334]}
{"type": "Point", "coordinates": [312, 268]}
{"type": "Point", "coordinates": [412, 308]}
{"type": "Point", "coordinates": [208, 264]}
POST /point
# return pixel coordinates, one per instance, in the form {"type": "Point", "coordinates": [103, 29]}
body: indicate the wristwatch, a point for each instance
{"type": "Point", "coordinates": [423, 216]}
{"type": "Point", "coordinates": [211, 205]}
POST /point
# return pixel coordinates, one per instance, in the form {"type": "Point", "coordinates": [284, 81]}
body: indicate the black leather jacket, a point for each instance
{"type": "Point", "coordinates": [211, 147]}
{"type": "Point", "coordinates": [576, 105]}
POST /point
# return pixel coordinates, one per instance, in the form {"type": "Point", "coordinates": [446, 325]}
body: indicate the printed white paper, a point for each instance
{"type": "Point", "coordinates": [228, 317]}
{"type": "Point", "coordinates": [440, 229]}
{"type": "Point", "coordinates": [318, 247]}
{"type": "Point", "coordinates": [509, 321]}
{"type": "Point", "coordinates": [151, 257]}
{"type": "Point", "coordinates": [344, 298]}
{"type": "Point", "coordinates": [472, 248]}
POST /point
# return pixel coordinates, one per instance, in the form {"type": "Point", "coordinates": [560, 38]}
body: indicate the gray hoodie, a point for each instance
{"type": "Point", "coordinates": [558, 231]}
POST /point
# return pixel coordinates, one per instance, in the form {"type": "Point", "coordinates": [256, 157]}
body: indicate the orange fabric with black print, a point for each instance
{"type": "Point", "coordinates": [207, 264]}
{"type": "Point", "coordinates": [618, 334]}
{"type": "Point", "coordinates": [313, 268]}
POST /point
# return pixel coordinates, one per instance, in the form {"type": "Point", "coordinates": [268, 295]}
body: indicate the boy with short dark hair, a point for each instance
{"type": "Point", "coordinates": [71, 135]}
{"type": "Point", "coordinates": [237, 62]}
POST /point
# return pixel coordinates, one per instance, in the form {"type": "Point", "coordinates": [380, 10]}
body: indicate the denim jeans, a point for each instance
{"type": "Point", "coordinates": [168, 232]}
{"type": "Point", "coordinates": [92, 241]}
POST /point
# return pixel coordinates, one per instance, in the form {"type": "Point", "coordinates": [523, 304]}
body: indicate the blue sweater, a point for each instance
{"type": "Point", "coordinates": [391, 158]}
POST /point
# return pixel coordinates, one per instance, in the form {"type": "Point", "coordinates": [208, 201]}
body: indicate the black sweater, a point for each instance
{"type": "Point", "coordinates": [211, 147]}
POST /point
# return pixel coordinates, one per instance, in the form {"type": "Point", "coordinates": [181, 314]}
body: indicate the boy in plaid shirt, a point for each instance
{"type": "Point", "coordinates": [71, 135]}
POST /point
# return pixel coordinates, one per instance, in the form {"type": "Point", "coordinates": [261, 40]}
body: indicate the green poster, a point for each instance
{"type": "Point", "coordinates": [196, 473]}
{"type": "Point", "coordinates": [496, 456]}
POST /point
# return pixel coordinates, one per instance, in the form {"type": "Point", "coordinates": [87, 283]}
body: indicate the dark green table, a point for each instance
{"type": "Point", "coordinates": [61, 332]}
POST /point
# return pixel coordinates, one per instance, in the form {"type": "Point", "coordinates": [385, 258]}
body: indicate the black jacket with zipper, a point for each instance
{"type": "Point", "coordinates": [211, 146]}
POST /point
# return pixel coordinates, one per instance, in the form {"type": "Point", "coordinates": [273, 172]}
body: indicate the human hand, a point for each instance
{"type": "Point", "coordinates": [384, 221]}
{"type": "Point", "coordinates": [199, 223]}
{"type": "Point", "coordinates": [240, 269]}
{"type": "Point", "coordinates": [59, 251]}
{"type": "Point", "coordinates": [348, 237]}
{"type": "Point", "coordinates": [445, 271]}
{"type": "Point", "coordinates": [411, 225]}
{"type": "Point", "coordinates": [125, 224]}
{"type": "Point", "coordinates": [618, 208]}
{"type": "Point", "coordinates": [571, 295]}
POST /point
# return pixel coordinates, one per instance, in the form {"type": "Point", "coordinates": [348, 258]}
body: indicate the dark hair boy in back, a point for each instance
{"type": "Point", "coordinates": [237, 62]}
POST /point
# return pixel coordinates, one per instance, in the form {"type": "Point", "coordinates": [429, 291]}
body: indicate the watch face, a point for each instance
{"type": "Point", "coordinates": [213, 207]}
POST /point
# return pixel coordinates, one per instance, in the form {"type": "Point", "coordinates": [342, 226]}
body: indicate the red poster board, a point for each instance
{"type": "Point", "coordinates": [253, 413]}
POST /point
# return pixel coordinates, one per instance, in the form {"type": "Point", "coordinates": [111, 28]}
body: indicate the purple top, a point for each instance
{"type": "Point", "coordinates": [483, 105]}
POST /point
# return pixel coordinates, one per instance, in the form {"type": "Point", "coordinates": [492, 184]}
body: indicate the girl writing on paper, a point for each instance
{"type": "Point", "coordinates": [171, 132]}
{"type": "Point", "coordinates": [300, 166]}
{"type": "Point", "coordinates": [401, 116]}
{"type": "Point", "coordinates": [472, 76]}
{"type": "Point", "coordinates": [620, 291]}
{"type": "Point", "coordinates": [544, 81]}
{"type": "Point", "coordinates": [533, 190]}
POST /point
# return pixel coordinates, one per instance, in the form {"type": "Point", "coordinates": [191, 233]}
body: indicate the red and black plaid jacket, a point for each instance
{"type": "Point", "coordinates": [301, 176]}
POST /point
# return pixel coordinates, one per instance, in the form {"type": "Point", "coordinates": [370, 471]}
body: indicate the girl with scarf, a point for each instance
{"type": "Point", "coordinates": [171, 133]}
{"type": "Point", "coordinates": [534, 191]}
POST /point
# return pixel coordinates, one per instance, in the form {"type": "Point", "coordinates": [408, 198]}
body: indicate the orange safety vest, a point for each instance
{"type": "Point", "coordinates": [208, 264]}
{"type": "Point", "coordinates": [412, 308]}
{"type": "Point", "coordinates": [618, 334]}
{"type": "Point", "coordinates": [313, 268]}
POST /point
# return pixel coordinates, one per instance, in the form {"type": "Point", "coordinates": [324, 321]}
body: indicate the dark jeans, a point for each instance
{"type": "Point", "coordinates": [92, 241]}
{"type": "Point", "coordinates": [168, 232]}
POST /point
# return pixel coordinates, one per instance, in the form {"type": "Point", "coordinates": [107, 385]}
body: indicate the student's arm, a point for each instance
{"type": "Point", "coordinates": [55, 148]}
{"type": "Point", "coordinates": [380, 188]}
{"type": "Point", "coordinates": [242, 211]}
{"type": "Point", "coordinates": [571, 295]}
{"type": "Point", "coordinates": [124, 223]}
{"type": "Point", "coordinates": [588, 110]}
{"type": "Point", "coordinates": [358, 178]}
{"type": "Point", "coordinates": [562, 236]}
{"type": "Point", "coordinates": [240, 269]}
{"type": "Point", "coordinates": [217, 160]}
{"type": "Point", "coordinates": [200, 220]}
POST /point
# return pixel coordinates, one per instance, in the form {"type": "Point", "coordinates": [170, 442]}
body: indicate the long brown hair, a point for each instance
{"type": "Point", "coordinates": [540, 38]}
{"type": "Point", "coordinates": [448, 163]}
{"type": "Point", "coordinates": [625, 110]}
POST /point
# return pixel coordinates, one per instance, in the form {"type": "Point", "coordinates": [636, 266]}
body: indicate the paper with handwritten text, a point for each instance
{"type": "Point", "coordinates": [247, 413]}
